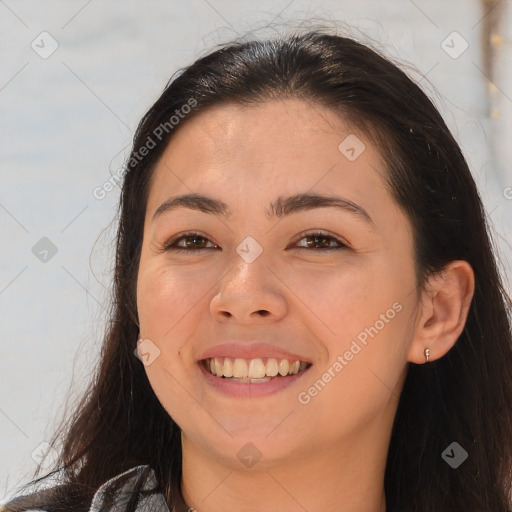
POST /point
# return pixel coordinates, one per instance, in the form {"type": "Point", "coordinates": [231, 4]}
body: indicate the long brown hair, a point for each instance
{"type": "Point", "coordinates": [465, 396]}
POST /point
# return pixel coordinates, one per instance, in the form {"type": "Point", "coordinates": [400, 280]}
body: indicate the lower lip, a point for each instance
{"type": "Point", "coordinates": [250, 389]}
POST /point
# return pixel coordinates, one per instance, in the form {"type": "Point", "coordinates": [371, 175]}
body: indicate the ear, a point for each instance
{"type": "Point", "coordinates": [443, 311]}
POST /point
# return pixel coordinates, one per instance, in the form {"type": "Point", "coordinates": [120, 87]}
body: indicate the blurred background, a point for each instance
{"type": "Point", "coordinates": [76, 77]}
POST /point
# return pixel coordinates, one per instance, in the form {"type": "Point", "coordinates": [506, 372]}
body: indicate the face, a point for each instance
{"type": "Point", "coordinates": [332, 286]}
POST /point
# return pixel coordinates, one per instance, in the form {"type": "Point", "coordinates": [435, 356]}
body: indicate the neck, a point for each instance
{"type": "Point", "coordinates": [346, 477]}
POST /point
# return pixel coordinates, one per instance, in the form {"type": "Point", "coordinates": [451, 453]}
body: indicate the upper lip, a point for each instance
{"type": "Point", "coordinates": [244, 350]}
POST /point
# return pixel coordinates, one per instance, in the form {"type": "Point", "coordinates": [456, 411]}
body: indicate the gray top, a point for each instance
{"type": "Point", "coordinates": [156, 502]}
{"type": "Point", "coordinates": [152, 503]}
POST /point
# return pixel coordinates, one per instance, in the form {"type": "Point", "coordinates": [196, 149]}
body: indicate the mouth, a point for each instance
{"type": "Point", "coordinates": [253, 371]}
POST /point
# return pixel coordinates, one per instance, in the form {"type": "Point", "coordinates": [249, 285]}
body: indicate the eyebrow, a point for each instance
{"type": "Point", "coordinates": [281, 207]}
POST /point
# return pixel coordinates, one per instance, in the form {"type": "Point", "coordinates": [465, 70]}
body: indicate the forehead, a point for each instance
{"type": "Point", "coordinates": [246, 154]}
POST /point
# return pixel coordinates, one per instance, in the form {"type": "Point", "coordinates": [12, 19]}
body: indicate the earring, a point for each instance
{"type": "Point", "coordinates": [427, 353]}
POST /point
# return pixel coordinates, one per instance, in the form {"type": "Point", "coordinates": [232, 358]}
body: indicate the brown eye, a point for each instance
{"type": "Point", "coordinates": [321, 241]}
{"type": "Point", "coordinates": [193, 242]}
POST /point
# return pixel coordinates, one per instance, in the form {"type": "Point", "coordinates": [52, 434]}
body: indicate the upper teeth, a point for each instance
{"type": "Point", "coordinates": [253, 368]}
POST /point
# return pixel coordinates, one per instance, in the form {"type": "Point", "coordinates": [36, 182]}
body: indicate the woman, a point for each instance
{"type": "Point", "coordinates": [307, 313]}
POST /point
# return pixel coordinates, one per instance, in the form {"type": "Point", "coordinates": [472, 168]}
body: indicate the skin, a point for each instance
{"type": "Point", "coordinates": [329, 454]}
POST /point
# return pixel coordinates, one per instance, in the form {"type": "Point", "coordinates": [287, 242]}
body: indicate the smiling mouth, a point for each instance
{"type": "Point", "coordinates": [257, 370]}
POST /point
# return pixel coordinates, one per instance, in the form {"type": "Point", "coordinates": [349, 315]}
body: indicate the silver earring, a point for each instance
{"type": "Point", "coordinates": [427, 353]}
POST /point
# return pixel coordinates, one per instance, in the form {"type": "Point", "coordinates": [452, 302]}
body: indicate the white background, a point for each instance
{"type": "Point", "coordinates": [67, 121]}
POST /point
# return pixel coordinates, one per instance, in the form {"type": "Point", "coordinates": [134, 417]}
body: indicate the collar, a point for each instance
{"type": "Point", "coordinates": [152, 503]}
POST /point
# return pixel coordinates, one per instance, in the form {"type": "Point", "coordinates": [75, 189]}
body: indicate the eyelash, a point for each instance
{"type": "Point", "coordinates": [171, 244]}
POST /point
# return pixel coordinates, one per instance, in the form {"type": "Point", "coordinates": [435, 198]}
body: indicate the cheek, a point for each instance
{"type": "Point", "coordinates": [345, 298]}
{"type": "Point", "coordinates": [166, 296]}
{"type": "Point", "coordinates": [363, 375]}
{"type": "Point", "coordinates": [361, 315]}
{"type": "Point", "coordinates": [171, 300]}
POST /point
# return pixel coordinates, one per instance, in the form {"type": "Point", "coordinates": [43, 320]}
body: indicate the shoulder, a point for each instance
{"type": "Point", "coordinates": [115, 492]}
{"type": "Point", "coordinates": [124, 486]}
{"type": "Point", "coordinates": [3, 509]}
{"type": "Point", "coordinates": [34, 502]}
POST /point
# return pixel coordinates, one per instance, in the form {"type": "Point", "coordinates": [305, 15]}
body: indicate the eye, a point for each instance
{"type": "Point", "coordinates": [323, 239]}
{"type": "Point", "coordinates": [195, 241]}
{"type": "Point", "coordinates": [189, 246]}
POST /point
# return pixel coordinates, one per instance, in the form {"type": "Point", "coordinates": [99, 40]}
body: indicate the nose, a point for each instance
{"type": "Point", "coordinates": [249, 293]}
